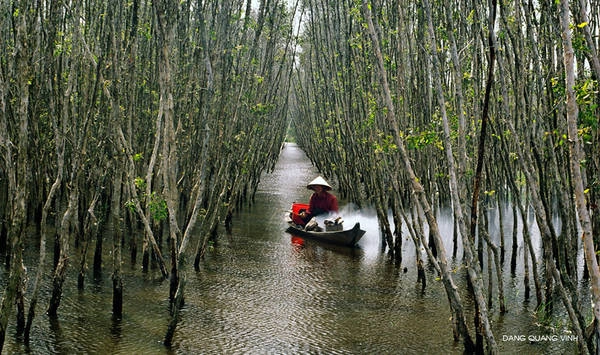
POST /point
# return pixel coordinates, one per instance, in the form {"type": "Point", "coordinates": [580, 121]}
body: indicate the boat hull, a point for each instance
{"type": "Point", "coordinates": [349, 237]}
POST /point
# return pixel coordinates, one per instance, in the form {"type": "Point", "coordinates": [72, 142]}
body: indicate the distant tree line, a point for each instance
{"type": "Point", "coordinates": [140, 123]}
{"type": "Point", "coordinates": [419, 105]}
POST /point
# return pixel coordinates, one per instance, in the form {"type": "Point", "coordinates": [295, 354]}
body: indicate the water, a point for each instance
{"type": "Point", "coordinates": [262, 291]}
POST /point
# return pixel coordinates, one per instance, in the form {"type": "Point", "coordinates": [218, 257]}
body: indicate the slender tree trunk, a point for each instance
{"type": "Point", "coordinates": [59, 139]}
{"type": "Point", "coordinates": [421, 276]}
{"type": "Point", "coordinates": [90, 231]}
{"type": "Point", "coordinates": [165, 12]}
{"type": "Point", "coordinates": [592, 51]}
{"type": "Point", "coordinates": [116, 231]}
{"type": "Point", "coordinates": [495, 262]}
{"type": "Point", "coordinates": [576, 156]}
{"type": "Point", "coordinates": [17, 173]}
{"type": "Point", "coordinates": [97, 263]}
{"type": "Point", "coordinates": [452, 293]}
{"type": "Point", "coordinates": [60, 272]}
{"type": "Point", "coordinates": [44, 230]}
{"type": "Point", "coordinates": [515, 241]}
{"type": "Point", "coordinates": [397, 230]}
{"type": "Point", "coordinates": [501, 227]}
{"type": "Point", "coordinates": [475, 274]}
{"type": "Point", "coordinates": [482, 323]}
{"type": "Point", "coordinates": [70, 218]}
{"type": "Point", "coordinates": [551, 269]}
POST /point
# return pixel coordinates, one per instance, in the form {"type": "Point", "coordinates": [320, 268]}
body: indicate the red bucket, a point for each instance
{"type": "Point", "coordinates": [296, 209]}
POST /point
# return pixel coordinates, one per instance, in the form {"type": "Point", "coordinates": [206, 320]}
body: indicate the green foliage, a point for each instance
{"type": "Point", "coordinates": [355, 11]}
{"type": "Point", "coordinates": [385, 144]}
{"type": "Point", "coordinates": [261, 108]}
{"type": "Point", "coordinates": [441, 175]}
{"type": "Point", "coordinates": [130, 205]}
{"type": "Point", "coordinates": [145, 29]}
{"type": "Point", "coordinates": [578, 38]}
{"type": "Point", "coordinates": [421, 139]}
{"type": "Point", "coordinates": [368, 124]}
{"type": "Point", "coordinates": [587, 94]}
{"type": "Point", "coordinates": [489, 193]}
{"type": "Point", "coordinates": [140, 183]}
{"type": "Point", "coordinates": [138, 157]}
{"type": "Point", "coordinates": [587, 98]}
{"type": "Point", "coordinates": [559, 138]}
{"type": "Point", "coordinates": [521, 180]}
{"type": "Point", "coordinates": [471, 17]}
{"type": "Point", "coordinates": [158, 207]}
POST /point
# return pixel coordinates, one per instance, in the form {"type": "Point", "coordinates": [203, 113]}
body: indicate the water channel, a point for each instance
{"type": "Point", "coordinates": [262, 291]}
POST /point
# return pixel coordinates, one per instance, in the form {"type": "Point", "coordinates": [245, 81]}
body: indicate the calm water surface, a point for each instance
{"type": "Point", "coordinates": [262, 291]}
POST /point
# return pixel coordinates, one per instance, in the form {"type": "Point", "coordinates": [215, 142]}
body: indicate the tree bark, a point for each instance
{"type": "Point", "coordinates": [17, 169]}
{"type": "Point", "coordinates": [475, 273]}
{"type": "Point", "coordinates": [116, 231]}
{"type": "Point", "coordinates": [576, 156]}
{"type": "Point", "coordinates": [482, 323]}
{"type": "Point", "coordinates": [59, 138]}
{"type": "Point", "coordinates": [421, 198]}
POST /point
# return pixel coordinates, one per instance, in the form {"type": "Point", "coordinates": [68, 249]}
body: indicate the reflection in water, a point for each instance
{"type": "Point", "coordinates": [263, 291]}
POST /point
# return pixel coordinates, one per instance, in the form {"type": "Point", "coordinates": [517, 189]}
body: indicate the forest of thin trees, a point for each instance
{"type": "Point", "coordinates": [143, 123]}
{"type": "Point", "coordinates": [424, 105]}
{"type": "Point", "coordinates": [147, 123]}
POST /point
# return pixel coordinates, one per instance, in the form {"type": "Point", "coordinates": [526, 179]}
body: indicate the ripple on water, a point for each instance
{"type": "Point", "coordinates": [258, 292]}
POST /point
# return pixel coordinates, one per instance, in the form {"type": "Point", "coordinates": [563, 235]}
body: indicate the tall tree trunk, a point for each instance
{"type": "Point", "coordinates": [60, 162]}
{"type": "Point", "coordinates": [474, 272]}
{"type": "Point", "coordinates": [59, 140]}
{"type": "Point", "coordinates": [576, 155]}
{"type": "Point", "coordinates": [421, 197]}
{"type": "Point", "coordinates": [60, 272]}
{"type": "Point", "coordinates": [482, 323]}
{"type": "Point", "coordinates": [17, 170]}
{"type": "Point", "coordinates": [69, 218]}
{"type": "Point", "coordinates": [165, 16]}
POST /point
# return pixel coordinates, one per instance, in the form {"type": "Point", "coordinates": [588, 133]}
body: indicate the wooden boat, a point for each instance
{"type": "Point", "coordinates": [348, 237]}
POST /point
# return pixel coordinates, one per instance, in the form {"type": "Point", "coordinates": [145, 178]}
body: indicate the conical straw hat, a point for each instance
{"type": "Point", "coordinates": [319, 181]}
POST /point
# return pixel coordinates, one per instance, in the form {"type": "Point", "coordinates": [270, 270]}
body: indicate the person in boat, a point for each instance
{"type": "Point", "coordinates": [321, 201]}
